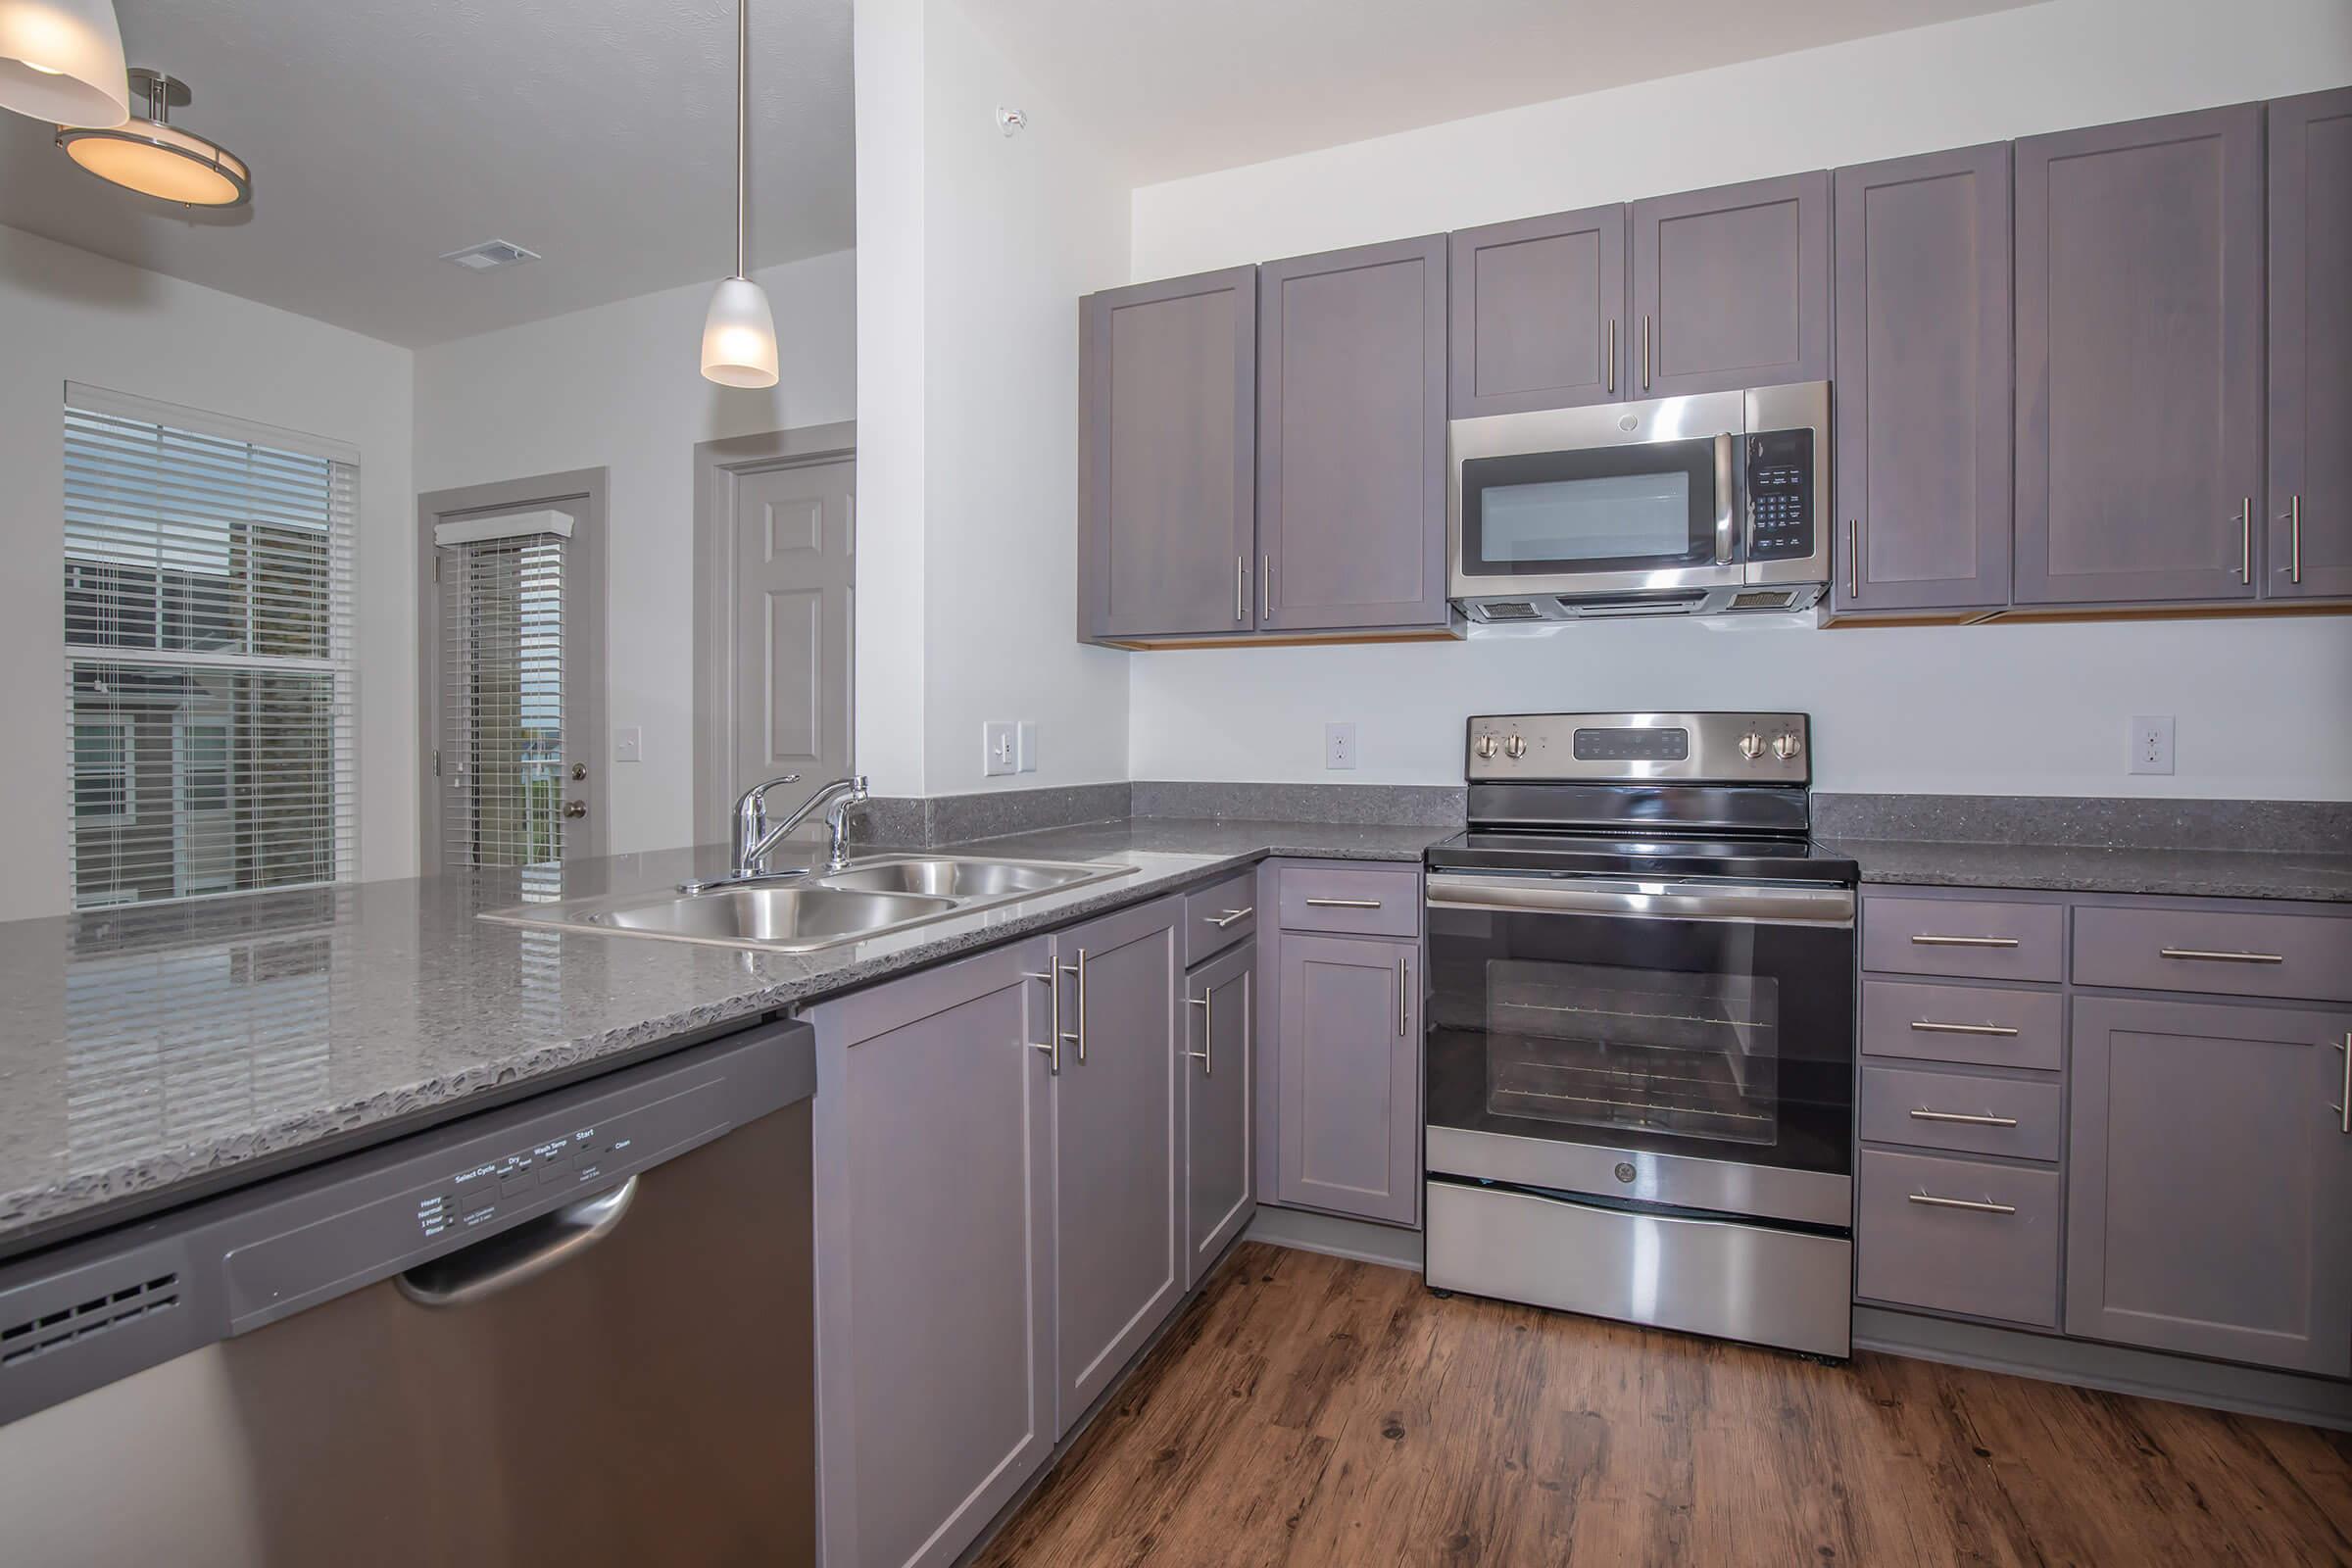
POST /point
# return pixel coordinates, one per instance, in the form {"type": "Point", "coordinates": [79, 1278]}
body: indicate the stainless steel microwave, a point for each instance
{"type": "Point", "coordinates": [1677, 506]}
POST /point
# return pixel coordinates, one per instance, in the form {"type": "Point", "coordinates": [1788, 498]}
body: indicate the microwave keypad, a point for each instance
{"type": "Point", "coordinates": [1780, 495]}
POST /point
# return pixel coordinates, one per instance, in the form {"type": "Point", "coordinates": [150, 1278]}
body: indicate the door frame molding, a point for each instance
{"type": "Point", "coordinates": [717, 467]}
{"type": "Point", "coordinates": [579, 490]}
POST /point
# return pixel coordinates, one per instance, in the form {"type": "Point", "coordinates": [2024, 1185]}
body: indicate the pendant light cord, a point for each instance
{"type": "Point", "coordinates": [743, 39]}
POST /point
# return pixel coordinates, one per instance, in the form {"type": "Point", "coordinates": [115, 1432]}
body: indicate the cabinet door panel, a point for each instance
{"type": "Point", "coordinates": [1349, 1127]}
{"type": "Point", "coordinates": [1731, 287]}
{"type": "Point", "coordinates": [1220, 1107]}
{"type": "Point", "coordinates": [2139, 305]}
{"type": "Point", "coordinates": [1538, 314]}
{"type": "Point", "coordinates": [1116, 1154]}
{"type": "Point", "coordinates": [2209, 1199]}
{"type": "Point", "coordinates": [1167, 403]}
{"type": "Point", "coordinates": [1351, 438]}
{"type": "Point", "coordinates": [1923, 382]}
{"type": "Point", "coordinates": [2309, 524]}
{"type": "Point", "coordinates": [935, 1250]}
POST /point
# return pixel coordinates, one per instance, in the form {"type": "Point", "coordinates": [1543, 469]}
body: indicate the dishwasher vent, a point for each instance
{"type": "Point", "coordinates": [68, 1325]}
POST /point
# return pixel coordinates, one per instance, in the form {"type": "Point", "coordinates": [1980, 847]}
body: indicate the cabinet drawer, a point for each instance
{"type": "Point", "coordinates": [1352, 902]}
{"type": "Point", "coordinates": [2220, 951]}
{"type": "Point", "coordinates": [1998, 1262]}
{"type": "Point", "coordinates": [1961, 1111]}
{"type": "Point", "coordinates": [1974, 1024]}
{"type": "Point", "coordinates": [1219, 915]}
{"type": "Point", "coordinates": [1976, 939]}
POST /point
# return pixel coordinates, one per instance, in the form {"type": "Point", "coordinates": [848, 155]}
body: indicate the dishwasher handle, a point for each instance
{"type": "Point", "coordinates": [499, 1262]}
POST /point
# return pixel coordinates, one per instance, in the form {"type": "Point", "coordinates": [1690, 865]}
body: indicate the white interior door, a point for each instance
{"type": "Point", "coordinates": [794, 543]}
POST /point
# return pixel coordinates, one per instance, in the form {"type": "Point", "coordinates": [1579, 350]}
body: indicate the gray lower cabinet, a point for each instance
{"type": "Point", "coordinates": [1118, 1160]}
{"type": "Point", "coordinates": [2209, 1202]}
{"type": "Point", "coordinates": [1351, 438]}
{"type": "Point", "coordinates": [2309, 512]}
{"type": "Point", "coordinates": [2139, 361]}
{"type": "Point", "coordinates": [935, 1251]}
{"type": "Point", "coordinates": [1539, 313]}
{"type": "Point", "coordinates": [1731, 287]}
{"type": "Point", "coordinates": [1350, 1123]}
{"type": "Point", "coordinates": [1923, 382]}
{"type": "Point", "coordinates": [1221, 1105]}
{"type": "Point", "coordinates": [1169, 421]}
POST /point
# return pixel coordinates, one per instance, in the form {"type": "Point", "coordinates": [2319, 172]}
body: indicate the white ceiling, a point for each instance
{"type": "Point", "coordinates": [1186, 86]}
{"type": "Point", "coordinates": [382, 133]}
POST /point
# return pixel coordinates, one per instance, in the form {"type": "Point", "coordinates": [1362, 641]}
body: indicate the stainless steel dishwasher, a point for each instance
{"type": "Point", "coordinates": [576, 1329]}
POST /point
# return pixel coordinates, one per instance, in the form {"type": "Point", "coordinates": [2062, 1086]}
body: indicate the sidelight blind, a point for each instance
{"type": "Point", "coordinates": [501, 755]}
{"type": "Point", "coordinates": [209, 683]}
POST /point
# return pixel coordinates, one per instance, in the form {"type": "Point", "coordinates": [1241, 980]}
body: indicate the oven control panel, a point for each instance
{"type": "Point", "coordinates": [1738, 747]}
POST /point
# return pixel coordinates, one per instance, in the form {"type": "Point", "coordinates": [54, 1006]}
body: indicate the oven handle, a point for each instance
{"type": "Point", "coordinates": [1731, 902]}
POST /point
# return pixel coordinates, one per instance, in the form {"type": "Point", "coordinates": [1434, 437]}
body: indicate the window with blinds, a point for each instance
{"type": "Point", "coordinates": [208, 610]}
{"type": "Point", "coordinates": [502, 697]}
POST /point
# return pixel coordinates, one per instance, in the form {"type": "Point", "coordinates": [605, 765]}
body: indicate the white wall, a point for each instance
{"type": "Point", "coordinates": [68, 315]}
{"type": "Point", "coordinates": [620, 387]}
{"type": "Point", "coordinates": [2263, 709]}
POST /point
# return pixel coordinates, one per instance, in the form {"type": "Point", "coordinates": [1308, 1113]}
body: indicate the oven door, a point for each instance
{"type": "Point", "coordinates": [1686, 1044]}
{"type": "Point", "coordinates": [1566, 502]}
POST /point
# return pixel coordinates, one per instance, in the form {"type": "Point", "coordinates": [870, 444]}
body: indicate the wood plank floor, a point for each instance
{"type": "Point", "coordinates": [1311, 1410]}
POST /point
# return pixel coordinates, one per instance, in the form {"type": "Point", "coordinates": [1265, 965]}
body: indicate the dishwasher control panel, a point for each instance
{"type": "Point", "coordinates": [587, 1155]}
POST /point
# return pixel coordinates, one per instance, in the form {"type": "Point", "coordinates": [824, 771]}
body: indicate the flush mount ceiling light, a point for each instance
{"type": "Point", "coordinates": [61, 61]}
{"type": "Point", "coordinates": [738, 335]}
{"type": "Point", "coordinates": [150, 155]}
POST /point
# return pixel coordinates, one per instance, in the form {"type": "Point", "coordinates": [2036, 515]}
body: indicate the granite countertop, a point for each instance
{"type": "Point", "coordinates": [2318, 876]}
{"type": "Point", "coordinates": [151, 1056]}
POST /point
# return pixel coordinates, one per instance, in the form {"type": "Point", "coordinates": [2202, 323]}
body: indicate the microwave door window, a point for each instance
{"type": "Point", "coordinates": [1626, 516]}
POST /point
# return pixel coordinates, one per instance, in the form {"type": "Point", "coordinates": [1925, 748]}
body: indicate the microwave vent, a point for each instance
{"type": "Point", "coordinates": [1504, 610]}
{"type": "Point", "coordinates": [1763, 599]}
{"type": "Point", "coordinates": [1650, 603]}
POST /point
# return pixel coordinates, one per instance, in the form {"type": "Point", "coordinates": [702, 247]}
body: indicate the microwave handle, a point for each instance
{"type": "Point", "coordinates": [1727, 500]}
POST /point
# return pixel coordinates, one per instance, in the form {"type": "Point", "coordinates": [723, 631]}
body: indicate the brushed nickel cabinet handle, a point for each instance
{"type": "Point", "coordinates": [1610, 365]}
{"type": "Point", "coordinates": [1964, 942]}
{"type": "Point", "coordinates": [1988, 1206]}
{"type": "Point", "coordinates": [1853, 558]}
{"type": "Point", "coordinates": [1240, 588]}
{"type": "Point", "coordinates": [1076, 1037]}
{"type": "Point", "coordinates": [1230, 917]}
{"type": "Point", "coordinates": [1207, 1071]}
{"type": "Point", "coordinates": [1925, 1027]}
{"type": "Point", "coordinates": [2245, 539]}
{"type": "Point", "coordinates": [1265, 589]}
{"type": "Point", "coordinates": [1342, 904]}
{"type": "Point", "coordinates": [2295, 539]}
{"type": "Point", "coordinates": [1052, 1045]}
{"type": "Point", "coordinates": [1644, 351]}
{"type": "Point", "coordinates": [2213, 957]}
{"type": "Point", "coordinates": [2344, 1111]}
{"type": "Point", "coordinates": [1986, 1120]}
{"type": "Point", "coordinates": [1404, 990]}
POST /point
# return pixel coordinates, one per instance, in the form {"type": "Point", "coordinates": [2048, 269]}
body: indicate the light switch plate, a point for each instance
{"type": "Point", "coordinates": [2152, 744]}
{"type": "Point", "coordinates": [1025, 746]}
{"type": "Point", "coordinates": [628, 744]}
{"type": "Point", "coordinates": [1338, 745]}
{"type": "Point", "coordinates": [996, 754]}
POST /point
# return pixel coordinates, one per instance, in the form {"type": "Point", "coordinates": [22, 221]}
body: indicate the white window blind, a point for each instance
{"type": "Point", "coordinates": [208, 612]}
{"type": "Point", "coordinates": [502, 700]}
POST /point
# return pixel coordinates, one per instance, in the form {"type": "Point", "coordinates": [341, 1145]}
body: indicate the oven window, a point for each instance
{"type": "Point", "coordinates": [1628, 508]}
{"type": "Point", "coordinates": [1646, 1049]}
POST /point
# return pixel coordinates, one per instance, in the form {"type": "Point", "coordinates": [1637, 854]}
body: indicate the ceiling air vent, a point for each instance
{"type": "Point", "coordinates": [68, 1325]}
{"type": "Point", "coordinates": [491, 253]}
{"type": "Point", "coordinates": [1508, 610]}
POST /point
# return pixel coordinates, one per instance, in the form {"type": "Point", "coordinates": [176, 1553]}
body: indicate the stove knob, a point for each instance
{"type": "Point", "coordinates": [1751, 746]}
{"type": "Point", "coordinates": [1787, 748]}
{"type": "Point", "coordinates": [1516, 747]}
{"type": "Point", "coordinates": [1486, 745]}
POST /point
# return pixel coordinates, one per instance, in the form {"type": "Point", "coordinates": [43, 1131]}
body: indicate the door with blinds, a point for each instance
{"type": "Point", "coordinates": [511, 665]}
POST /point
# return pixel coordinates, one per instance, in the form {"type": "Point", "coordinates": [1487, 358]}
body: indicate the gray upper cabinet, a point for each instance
{"type": "Point", "coordinates": [1922, 384]}
{"type": "Point", "coordinates": [1167, 388]}
{"type": "Point", "coordinates": [2209, 1192]}
{"type": "Point", "coordinates": [2310, 511]}
{"type": "Point", "coordinates": [933, 1174]}
{"type": "Point", "coordinates": [1351, 438]}
{"type": "Point", "coordinates": [2140, 325]}
{"type": "Point", "coordinates": [1731, 287]}
{"type": "Point", "coordinates": [1539, 313]}
{"type": "Point", "coordinates": [1349, 1136]}
{"type": "Point", "coordinates": [1220, 1075]}
{"type": "Point", "coordinates": [1116, 1158]}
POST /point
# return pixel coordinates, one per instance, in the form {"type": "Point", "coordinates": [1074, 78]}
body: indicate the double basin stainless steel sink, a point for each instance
{"type": "Point", "coordinates": [803, 912]}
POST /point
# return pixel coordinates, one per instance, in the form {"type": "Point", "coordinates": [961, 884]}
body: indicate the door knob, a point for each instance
{"type": "Point", "coordinates": [575, 809]}
{"type": "Point", "coordinates": [579, 772]}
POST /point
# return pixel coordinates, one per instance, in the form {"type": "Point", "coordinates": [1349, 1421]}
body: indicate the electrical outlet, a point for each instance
{"type": "Point", "coordinates": [1025, 746]}
{"type": "Point", "coordinates": [2152, 744]}
{"type": "Point", "coordinates": [1338, 745]}
{"type": "Point", "coordinates": [996, 753]}
{"type": "Point", "coordinates": [628, 744]}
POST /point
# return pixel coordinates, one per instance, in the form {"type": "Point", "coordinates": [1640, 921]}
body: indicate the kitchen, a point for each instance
{"type": "Point", "coordinates": [1586, 808]}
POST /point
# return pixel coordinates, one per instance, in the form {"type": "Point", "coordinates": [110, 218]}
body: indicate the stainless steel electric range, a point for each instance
{"type": "Point", "coordinates": [1641, 1049]}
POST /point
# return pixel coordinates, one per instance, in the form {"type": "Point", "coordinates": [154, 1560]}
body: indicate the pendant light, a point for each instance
{"type": "Point", "coordinates": [150, 155]}
{"type": "Point", "coordinates": [61, 61]}
{"type": "Point", "coordinates": [738, 335]}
